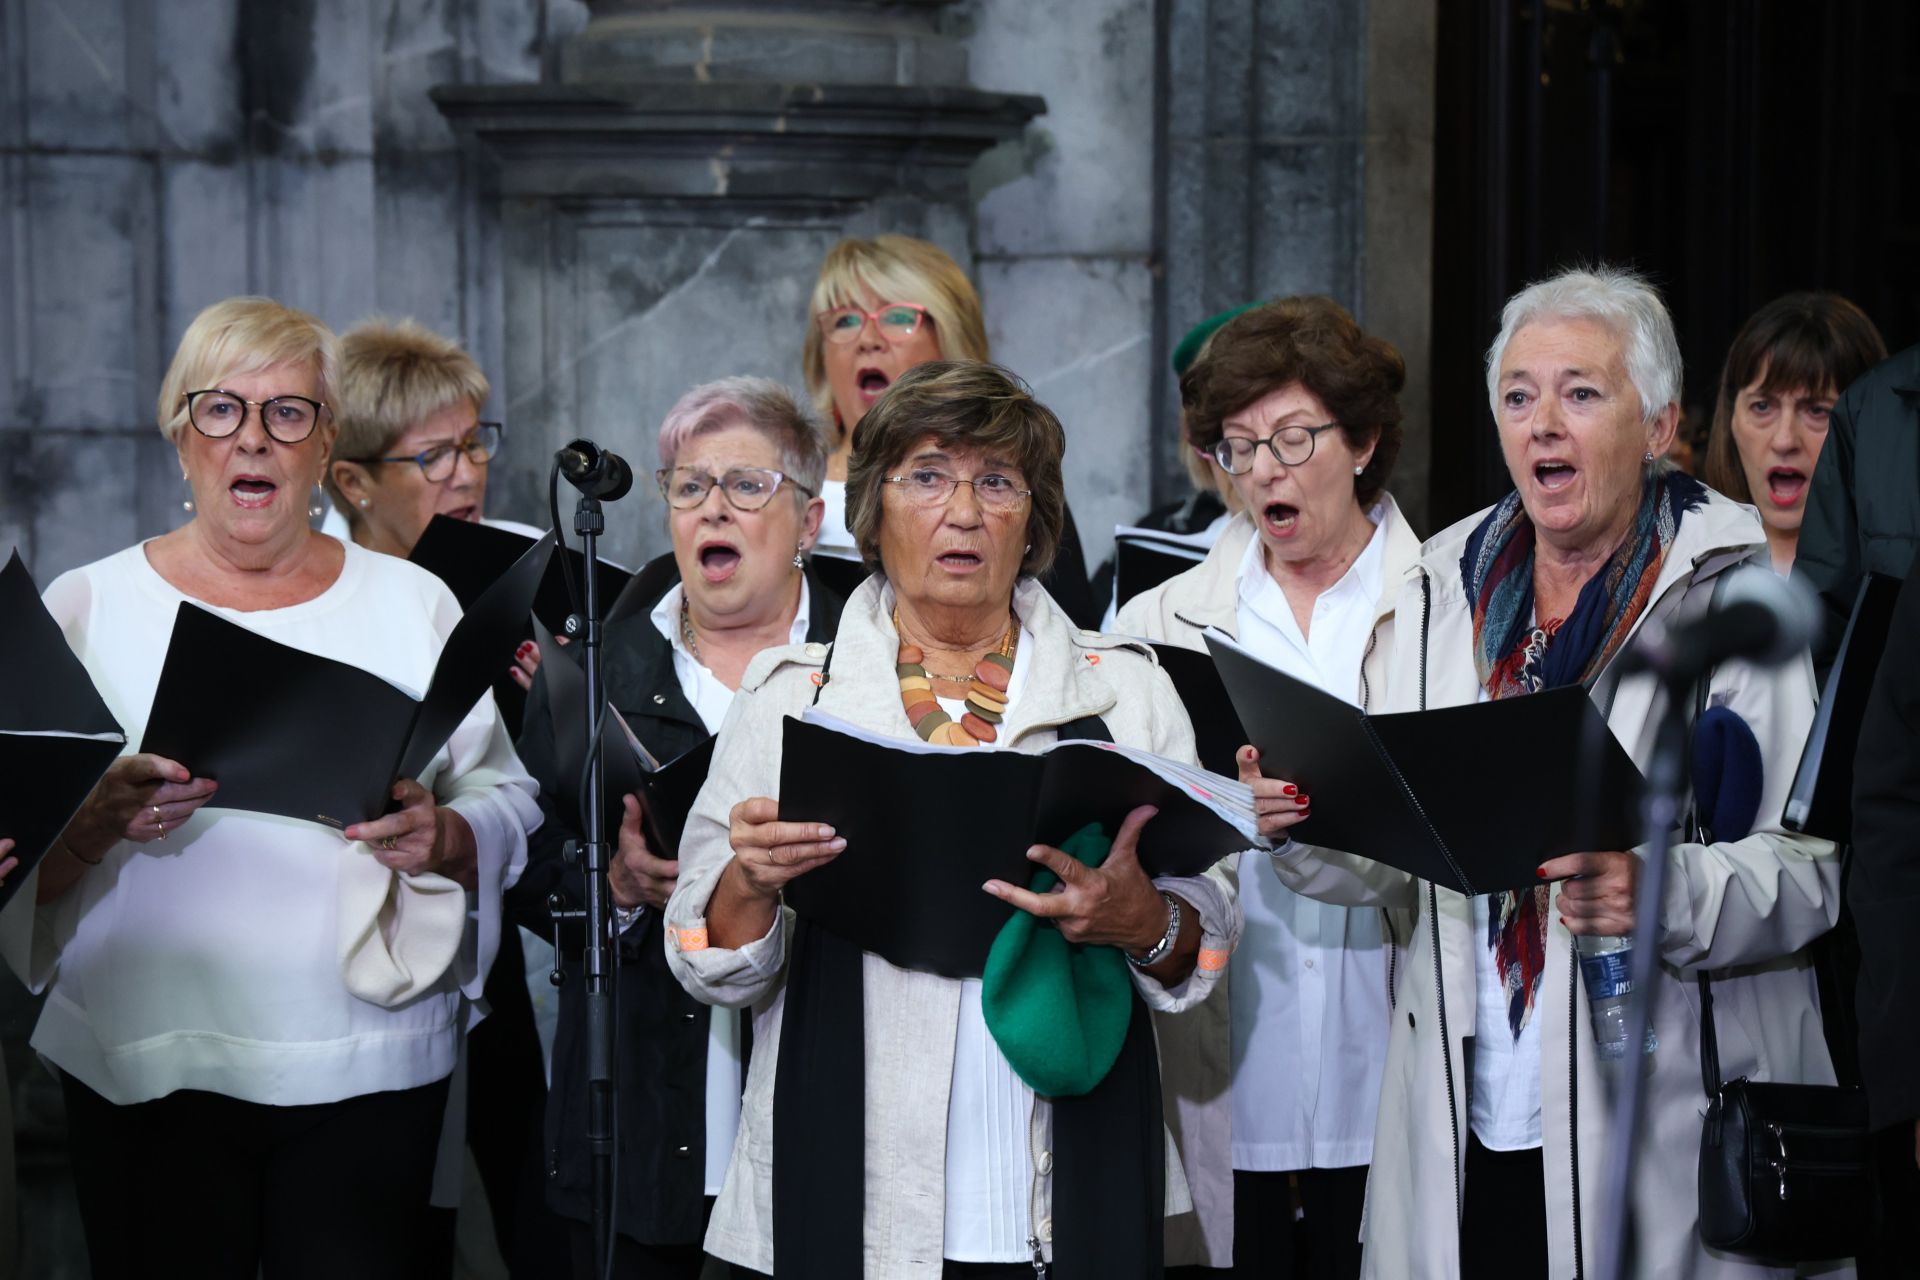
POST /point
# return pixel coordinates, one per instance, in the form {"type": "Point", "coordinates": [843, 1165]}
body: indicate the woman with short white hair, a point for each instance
{"type": "Point", "coordinates": [1493, 1123]}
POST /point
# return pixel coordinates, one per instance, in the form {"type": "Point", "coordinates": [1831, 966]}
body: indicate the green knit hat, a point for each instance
{"type": "Point", "coordinates": [1057, 1009]}
{"type": "Point", "coordinates": [1189, 348]}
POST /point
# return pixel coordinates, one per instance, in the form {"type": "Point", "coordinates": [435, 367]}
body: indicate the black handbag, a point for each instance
{"type": "Point", "coordinates": [1784, 1168]}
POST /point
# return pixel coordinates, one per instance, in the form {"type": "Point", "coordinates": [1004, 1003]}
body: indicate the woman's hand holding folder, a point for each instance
{"type": "Point", "coordinates": [1277, 803]}
{"type": "Point", "coordinates": [767, 853]}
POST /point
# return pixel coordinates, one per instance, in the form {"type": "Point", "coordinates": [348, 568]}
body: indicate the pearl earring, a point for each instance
{"type": "Point", "coordinates": [1358, 470]}
{"type": "Point", "coordinates": [187, 506]}
{"type": "Point", "coordinates": [319, 502]}
{"type": "Point", "coordinates": [799, 556]}
{"type": "Point", "coordinates": [1649, 458]}
{"type": "Point", "coordinates": [365, 503]}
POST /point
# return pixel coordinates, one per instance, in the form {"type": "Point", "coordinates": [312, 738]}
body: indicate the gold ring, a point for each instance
{"type": "Point", "coordinates": [387, 844]}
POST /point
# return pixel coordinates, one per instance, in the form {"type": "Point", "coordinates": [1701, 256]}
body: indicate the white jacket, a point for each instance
{"type": "Point", "coordinates": [911, 1017]}
{"type": "Point", "coordinates": [1196, 1071]}
{"type": "Point", "coordinates": [1743, 909]}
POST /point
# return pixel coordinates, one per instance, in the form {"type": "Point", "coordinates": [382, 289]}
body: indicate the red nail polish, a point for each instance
{"type": "Point", "coordinates": [1541, 872]}
{"type": "Point", "coordinates": [1289, 790]}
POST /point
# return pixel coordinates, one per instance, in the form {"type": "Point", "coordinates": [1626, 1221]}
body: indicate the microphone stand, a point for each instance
{"type": "Point", "coordinates": [588, 523]}
{"type": "Point", "coordinates": [1660, 808]}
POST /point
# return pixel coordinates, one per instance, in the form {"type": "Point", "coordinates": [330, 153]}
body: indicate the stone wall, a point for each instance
{"type": "Point", "coordinates": [158, 155]}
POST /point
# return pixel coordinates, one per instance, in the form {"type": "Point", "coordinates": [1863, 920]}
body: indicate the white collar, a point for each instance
{"type": "Point", "coordinates": [666, 618]}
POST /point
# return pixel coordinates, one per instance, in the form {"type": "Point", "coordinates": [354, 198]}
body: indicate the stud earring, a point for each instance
{"type": "Point", "coordinates": [1648, 459]}
{"type": "Point", "coordinates": [1358, 470]}
{"type": "Point", "coordinates": [365, 503]}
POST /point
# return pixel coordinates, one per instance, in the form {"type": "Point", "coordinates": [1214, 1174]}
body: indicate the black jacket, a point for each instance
{"type": "Point", "coordinates": [1883, 881]}
{"type": "Point", "coordinates": [660, 1031]}
{"type": "Point", "coordinates": [1863, 513]}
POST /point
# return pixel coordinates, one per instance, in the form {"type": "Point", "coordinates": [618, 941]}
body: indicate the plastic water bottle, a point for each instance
{"type": "Point", "coordinates": [1606, 971]}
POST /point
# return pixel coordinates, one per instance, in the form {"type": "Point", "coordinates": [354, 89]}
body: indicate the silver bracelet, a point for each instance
{"type": "Point", "coordinates": [1159, 950]}
{"type": "Point", "coordinates": [624, 918]}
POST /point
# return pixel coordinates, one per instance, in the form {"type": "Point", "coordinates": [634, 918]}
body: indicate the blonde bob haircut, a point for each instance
{"type": "Point", "coordinates": [962, 404]}
{"type": "Point", "coordinates": [243, 336]}
{"type": "Point", "coordinates": [891, 269]}
{"type": "Point", "coordinates": [394, 374]}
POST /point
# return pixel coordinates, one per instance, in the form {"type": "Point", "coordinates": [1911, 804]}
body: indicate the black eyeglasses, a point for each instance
{"type": "Point", "coordinates": [217, 414]}
{"type": "Point", "coordinates": [1290, 446]}
{"type": "Point", "coordinates": [744, 488]}
{"type": "Point", "coordinates": [437, 463]}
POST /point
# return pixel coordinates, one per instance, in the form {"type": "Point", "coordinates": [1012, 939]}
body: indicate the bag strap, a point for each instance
{"type": "Point", "coordinates": [1697, 831]}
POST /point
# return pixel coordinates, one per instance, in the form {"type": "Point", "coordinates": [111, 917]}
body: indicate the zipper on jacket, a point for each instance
{"type": "Point", "coordinates": [1036, 1155]}
{"type": "Point", "coordinates": [1433, 923]}
{"type": "Point", "coordinates": [1573, 1100]}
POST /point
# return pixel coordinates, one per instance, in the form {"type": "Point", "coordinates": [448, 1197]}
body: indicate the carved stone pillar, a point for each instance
{"type": "Point", "coordinates": [665, 204]}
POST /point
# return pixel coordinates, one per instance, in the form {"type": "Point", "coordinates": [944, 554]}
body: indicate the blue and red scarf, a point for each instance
{"type": "Point", "coordinates": [1514, 654]}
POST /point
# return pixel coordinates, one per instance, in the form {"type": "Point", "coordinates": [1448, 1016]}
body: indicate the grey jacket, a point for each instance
{"type": "Point", "coordinates": [911, 1017]}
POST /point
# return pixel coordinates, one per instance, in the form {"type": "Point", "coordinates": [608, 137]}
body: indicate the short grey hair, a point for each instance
{"type": "Point", "coordinates": [1620, 299]}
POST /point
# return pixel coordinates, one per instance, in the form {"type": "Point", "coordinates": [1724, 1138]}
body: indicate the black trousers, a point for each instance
{"type": "Point", "coordinates": [949, 1270]}
{"type": "Point", "coordinates": [203, 1185]}
{"type": "Point", "coordinates": [1269, 1245]}
{"type": "Point", "coordinates": [1503, 1224]}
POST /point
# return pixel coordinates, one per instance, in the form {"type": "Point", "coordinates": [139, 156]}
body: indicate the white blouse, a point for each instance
{"type": "Point", "coordinates": [990, 1112]}
{"type": "Point", "coordinates": [835, 540]}
{"type": "Point", "coordinates": [710, 699]}
{"type": "Point", "coordinates": [220, 959]}
{"type": "Point", "coordinates": [1307, 986]}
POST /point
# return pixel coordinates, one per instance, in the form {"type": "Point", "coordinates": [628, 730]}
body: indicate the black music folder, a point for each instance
{"type": "Point", "coordinates": [842, 577]}
{"type": "Point", "coordinates": [926, 826]}
{"type": "Point", "coordinates": [1217, 734]}
{"type": "Point", "coordinates": [1820, 802]}
{"type": "Point", "coordinates": [666, 791]}
{"type": "Point", "coordinates": [1145, 558]}
{"type": "Point", "coordinates": [313, 738]}
{"type": "Point", "coordinates": [57, 736]}
{"type": "Point", "coordinates": [1473, 798]}
{"type": "Point", "coordinates": [470, 557]}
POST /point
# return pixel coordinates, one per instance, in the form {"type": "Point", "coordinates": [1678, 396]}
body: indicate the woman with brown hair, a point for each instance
{"type": "Point", "coordinates": [884, 1131]}
{"type": "Point", "coordinates": [1788, 364]}
{"type": "Point", "coordinates": [1275, 1087]}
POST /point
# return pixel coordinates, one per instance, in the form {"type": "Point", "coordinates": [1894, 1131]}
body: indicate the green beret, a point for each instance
{"type": "Point", "coordinates": [1189, 348]}
{"type": "Point", "coordinates": [1058, 1010]}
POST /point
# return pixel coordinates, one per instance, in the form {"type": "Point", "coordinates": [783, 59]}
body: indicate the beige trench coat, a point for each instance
{"type": "Point", "coordinates": [911, 1017]}
{"type": "Point", "coordinates": [1196, 1068]}
{"type": "Point", "coordinates": [1744, 909]}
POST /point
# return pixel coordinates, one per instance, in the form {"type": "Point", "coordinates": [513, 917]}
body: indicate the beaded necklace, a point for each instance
{"type": "Point", "coordinates": [986, 701]}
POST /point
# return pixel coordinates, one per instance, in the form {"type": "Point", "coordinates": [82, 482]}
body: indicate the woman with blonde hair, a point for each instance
{"type": "Point", "coordinates": [879, 308]}
{"type": "Point", "coordinates": [254, 1019]}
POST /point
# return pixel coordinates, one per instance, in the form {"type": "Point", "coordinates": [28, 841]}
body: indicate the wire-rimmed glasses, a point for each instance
{"type": "Point", "coordinates": [932, 487]}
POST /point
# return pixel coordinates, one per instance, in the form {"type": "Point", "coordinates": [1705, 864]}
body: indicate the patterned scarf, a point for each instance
{"type": "Point", "coordinates": [1514, 655]}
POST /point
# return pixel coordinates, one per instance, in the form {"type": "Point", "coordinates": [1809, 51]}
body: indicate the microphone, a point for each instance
{"type": "Point", "coordinates": [596, 472]}
{"type": "Point", "coordinates": [1757, 617]}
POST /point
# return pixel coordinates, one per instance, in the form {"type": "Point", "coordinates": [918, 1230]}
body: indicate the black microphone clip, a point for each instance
{"type": "Point", "coordinates": [595, 472]}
